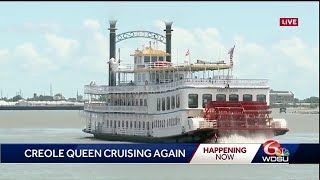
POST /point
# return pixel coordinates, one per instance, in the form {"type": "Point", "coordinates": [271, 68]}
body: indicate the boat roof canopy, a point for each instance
{"type": "Point", "coordinates": [149, 51]}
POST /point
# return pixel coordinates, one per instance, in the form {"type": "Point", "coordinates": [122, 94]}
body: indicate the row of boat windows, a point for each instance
{"type": "Point", "coordinates": [144, 125]}
{"type": "Point", "coordinates": [167, 103]}
{"type": "Point", "coordinates": [127, 102]}
{"type": "Point", "coordinates": [193, 98]}
{"type": "Point", "coordinates": [148, 59]}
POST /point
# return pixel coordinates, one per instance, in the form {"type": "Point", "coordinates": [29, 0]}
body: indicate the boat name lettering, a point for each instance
{"type": "Point", "coordinates": [227, 90]}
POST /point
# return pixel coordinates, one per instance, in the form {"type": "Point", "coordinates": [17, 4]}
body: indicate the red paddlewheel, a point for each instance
{"type": "Point", "coordinates": [239, 115]}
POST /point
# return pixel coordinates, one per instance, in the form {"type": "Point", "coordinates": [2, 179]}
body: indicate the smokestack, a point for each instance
{"type": "Point", "coordinates": [112, 53]}
{"type": "Point", "coordinates": [168, 39]}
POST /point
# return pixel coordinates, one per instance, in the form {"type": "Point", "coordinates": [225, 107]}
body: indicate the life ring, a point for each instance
{"type": "Point", "coordinates": [146, 82]}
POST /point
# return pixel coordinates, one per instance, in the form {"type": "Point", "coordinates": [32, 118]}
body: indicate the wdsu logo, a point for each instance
{"type": "Point", "coordinates": [276, 154]}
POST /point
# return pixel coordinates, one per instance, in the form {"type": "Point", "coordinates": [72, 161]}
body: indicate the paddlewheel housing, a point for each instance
{"type": "Point", "coordinates": [240, 117]}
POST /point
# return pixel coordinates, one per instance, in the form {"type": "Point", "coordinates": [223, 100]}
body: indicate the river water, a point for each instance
{"type": "Point", "coordinates": [66, 126]}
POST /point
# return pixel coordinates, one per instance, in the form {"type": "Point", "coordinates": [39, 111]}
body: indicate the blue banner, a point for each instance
{"type": "Point", "coordinates": [97, 153]}
{"type": "Point", "coordinates": [269, 152]}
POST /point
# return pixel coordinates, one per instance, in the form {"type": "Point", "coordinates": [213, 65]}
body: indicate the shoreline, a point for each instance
{"type": "Point", "coordinates": [302, 110]}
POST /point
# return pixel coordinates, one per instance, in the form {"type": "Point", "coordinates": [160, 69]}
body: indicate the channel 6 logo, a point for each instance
{"type": "Point", "coordinates": [275, 152]}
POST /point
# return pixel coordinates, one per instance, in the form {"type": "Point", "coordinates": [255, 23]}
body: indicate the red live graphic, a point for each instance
{"type": "Point", "coordinates": [289, 22]}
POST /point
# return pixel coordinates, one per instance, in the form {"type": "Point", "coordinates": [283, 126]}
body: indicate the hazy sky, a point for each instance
{"type": "Point", "coordinates": [66, 43]}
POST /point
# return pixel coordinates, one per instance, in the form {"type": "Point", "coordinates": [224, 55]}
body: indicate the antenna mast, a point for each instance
{"type": "Point", "coordinates": [118, 66]}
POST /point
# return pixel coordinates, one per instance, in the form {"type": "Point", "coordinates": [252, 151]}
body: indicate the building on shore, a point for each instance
{"type": "Point", "coordinates": [281, 97]}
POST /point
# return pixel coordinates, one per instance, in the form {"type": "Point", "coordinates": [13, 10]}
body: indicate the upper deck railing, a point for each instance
{"type": "Point", "coordinates": [105, 108]}
{"type": "Point", "coordinates": [182, 83]}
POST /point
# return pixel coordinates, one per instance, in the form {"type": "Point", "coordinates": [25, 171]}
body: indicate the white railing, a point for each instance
{"type": "Point", "coordinates": [105, 108]}
{"type": "Point", "coordinates": [188, 82]}
{"type": "Point", "coordinates": [124, 68]}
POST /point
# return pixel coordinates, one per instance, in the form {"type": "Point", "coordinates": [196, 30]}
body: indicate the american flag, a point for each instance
{"type": "Point", "coordinates": [231, 55]}
{"type": "Point", "coordinates": [188, 53]}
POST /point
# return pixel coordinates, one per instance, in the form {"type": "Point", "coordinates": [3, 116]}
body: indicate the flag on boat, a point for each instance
{"type": "Point", "coordinates": [188, 53]}
{"type": "Point", "coordinates": [231, 55]}
{"type": "Point", "coordinates": [187, 61]}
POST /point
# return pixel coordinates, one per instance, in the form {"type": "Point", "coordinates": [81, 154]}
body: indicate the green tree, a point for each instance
{"type": "Point", "coordinates": [312, 99]}
{"type": "Point", "coordinates": [4, 99]}
{"type": "Point", "coordinates": [72, 99]}
{"type": "Point", "coordinates": [16, 98]}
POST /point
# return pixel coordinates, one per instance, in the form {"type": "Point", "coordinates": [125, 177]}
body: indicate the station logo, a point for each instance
{"type": "Point", "coordinates": [275, 153]}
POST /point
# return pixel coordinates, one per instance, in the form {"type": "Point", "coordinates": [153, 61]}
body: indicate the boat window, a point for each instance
{"type": "Point", "coordinates": [122, 124]}
{"type": "Point", "coordinates": [147, 125]}
{"type": "Point", "coordinates": [147, 59]}
{"type": "Point", "coordinates": [141, 102]}
{"type": "Point", "coordinates": [261, 98]}
{"type": "Point", "coordinates": [107, 123]}
{"type": "Point", "coordinates": [145, 102]}
{"type": "Point", "coordinates": [154, 58]}
{"type": "Point", "coordinates": [143, 77]}
{"type": "Point", "coordinates": [127, 124]}
{"type": "Point", "coordinates": [118, 123]}
{"type": "Point", "coordinates": [173, 101]}
{"type": "Point", "coordinates": [135, 124]}
{"type": "Point", "coordinates": [111, 123]}
{"type": "Point", "coordinates": [139, 125]}
{"type": "Point", "coordinates": [158, 104]}
{"type": "Point", "coordinates": [130, 124]}
{"type": "Point", "coordinates": [220, 97]}
{"type": "Point", "coordinates": [139, 77]}
{"type": "Point", "coordinates": [143, 125]}
{"type": "Point", "coordinates": [247, 97]}
{"type": "Point", "coordinates": [163, 104]}
{"type": "Point", "coordinates": [205, 99]}
{"type": "Point", "coordinates": [178, 101]}
{"type": "Point", "coordinates": [193, 101]}
{"type": "Point", "coordinates": [137, 102]}
{"type": "Point", "coordinates": [160, 58]}
{"type": "Point", "coordinates": [233, 97]}
{"type": "Point", "coordinates": [168, 103]}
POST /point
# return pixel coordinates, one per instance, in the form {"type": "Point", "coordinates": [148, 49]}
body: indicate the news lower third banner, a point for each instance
{"type": "Point", "coordinates": [269, 152]}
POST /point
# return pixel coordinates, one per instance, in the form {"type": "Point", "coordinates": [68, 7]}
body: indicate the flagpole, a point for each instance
{"type": "Point", "coordinates": [232, 60]}
{"type": "Point", "coordinates": [177, 64]}
{"type": "Point", "coordinates": [189, 64]}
